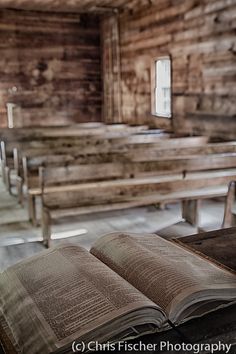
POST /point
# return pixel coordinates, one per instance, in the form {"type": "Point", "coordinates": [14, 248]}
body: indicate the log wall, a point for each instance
{"type": "Point", "coordinates": [50, 67]}
{"type": "Point", "coordinates": [199, 35]}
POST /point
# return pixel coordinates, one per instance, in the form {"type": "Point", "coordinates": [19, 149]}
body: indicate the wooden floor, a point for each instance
{"type": "Point", "coordinates": [18, 239]}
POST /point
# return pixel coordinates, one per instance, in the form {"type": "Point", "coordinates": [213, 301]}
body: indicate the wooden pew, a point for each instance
{"type": "Point", "coordinates": [201, 149]}
{"type": "Point", "coordinates": [74, 146]}
{"type": "Point", "coordinates": [84, 198]}
{"type": "Point", "coordinates": [127, 166]}
{"type": "Point", "coordinates": [73, 175]}
{"type": "Point", "coordinates": [106, 146]}
{"type": "Point", "coordinates": [124, 154]}
{"type": "Point", "coordinates": [28, 133]}
{"type": "Point", "coordinates": [127, 146]}
{"type": "Point", "coordinates": [16, 140]}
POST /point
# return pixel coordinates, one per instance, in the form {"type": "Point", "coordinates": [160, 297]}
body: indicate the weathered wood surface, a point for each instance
{"type": "Point", "coordinates": [49, 140]}
{"type": "Point", "coordinates": [88, 142]}
{"type": "Point", "coordinates": [104, 142]}
{"type": "Point", "coordinates": [167, 150]}
{"type": "Point", "coordinates": [200, 38]}
{"type": "Point", "coordinates": [112, 143]}
{"type": "Point", "coordinates": [30, 156]}
{"type": "Point", "coordinates": [128, 190]}
{"type": "Point", "coordinates": [57, 81]}
{"type": "Point", "coordinates": [42, 157]}
{"type": "Point", "coordinates": [200, 122]}
{"type": "Point", "coordinates": [76, 130]}
{"type": "Point", "coordinates": [68, 157]}
{"type": "Point", "coordinates": [164, 166]}
{"type": "Point", "coordinates": [99, 6]}
{"type": "Point", "coordinates": [66, 169]}
{"type": "Point", "coordinates": [118, 195]}
{"type": "Point", "coordinates": [220, 245]}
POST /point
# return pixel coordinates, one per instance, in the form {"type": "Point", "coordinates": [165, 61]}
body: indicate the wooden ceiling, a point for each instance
{"type": "Point", "coordinates": [75, 5]}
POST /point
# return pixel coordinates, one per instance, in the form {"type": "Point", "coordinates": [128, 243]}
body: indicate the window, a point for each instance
{"type": "Point", "coordinates": [162, 87]}
{"type": "Point", "coordinates": [10, 107]}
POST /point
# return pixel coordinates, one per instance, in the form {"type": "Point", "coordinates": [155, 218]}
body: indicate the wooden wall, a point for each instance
{"type": "Point", "coordinates": [50, 67]}
{"type": "Point", "coordinates": [200, 37]}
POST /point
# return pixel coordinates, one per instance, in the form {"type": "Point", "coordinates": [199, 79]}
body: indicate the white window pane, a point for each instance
{"type": "Point", "coordinates": [163, 87]}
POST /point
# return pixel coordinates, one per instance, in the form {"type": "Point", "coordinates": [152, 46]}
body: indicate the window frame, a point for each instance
{"type": "Point", "coordinates": [154, 87]}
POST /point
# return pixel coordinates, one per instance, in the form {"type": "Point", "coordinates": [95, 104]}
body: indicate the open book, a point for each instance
{"type": "Point", "coordinates": [127, 285]}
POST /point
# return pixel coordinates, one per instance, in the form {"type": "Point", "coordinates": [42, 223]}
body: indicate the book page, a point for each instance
{"type": "Point", "coordinates": [62, 294]}
{"type": "Point", "coordinates": [165, 272]}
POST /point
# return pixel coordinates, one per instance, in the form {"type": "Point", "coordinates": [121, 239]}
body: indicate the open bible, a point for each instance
{"type": "Point", "coordinates": [126, 286]}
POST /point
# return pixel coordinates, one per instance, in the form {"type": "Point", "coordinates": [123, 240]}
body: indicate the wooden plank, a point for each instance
{"type": "Point", "coordinates": [72, 173]}
{"type": "Point", "coordinates": [78, 130]}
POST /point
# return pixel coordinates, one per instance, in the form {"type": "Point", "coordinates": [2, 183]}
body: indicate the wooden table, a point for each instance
{"type": "Point", "coordinates": [219, 245]}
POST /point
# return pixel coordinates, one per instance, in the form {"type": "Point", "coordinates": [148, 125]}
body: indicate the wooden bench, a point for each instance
{"type": "Point", "coordinates": [19, 139]}
{"type": "Point", "coordinates": [96, 128]}
{"type": "Point", "coordinates": [72, 173]}
{"type": "Point", "coordinates": [120, 145]}
{"type": "Point", "coordinates": [189, 149]}
{"type": "Point", "coordinates": [98, 151]}
{"type": "Point", "coordinates": [72, 196]}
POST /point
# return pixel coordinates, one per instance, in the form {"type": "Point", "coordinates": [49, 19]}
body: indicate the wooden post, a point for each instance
{"type": "Point", "coordinates": [190, 211]}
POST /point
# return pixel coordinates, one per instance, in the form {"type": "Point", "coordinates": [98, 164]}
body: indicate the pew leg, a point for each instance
{"type": "Point", "coordinates": [32, 209]}
{"type": "Point", "coordinates": [46, 227]}
{"type": "Point", "coordinates": [19, 186]}
{"type": "Point", "coordinates": [229, 218]}
{"type": "Point", "coordinates": [160, 206]}
{"type": "Point", "coordinates": [233, 224]}
{"type": "Point", "coordinates": [190, 211]}
{"type": "Point", "coordinates": [3, 165]}
{"type": "Point", "coordinates": [8, 178]}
